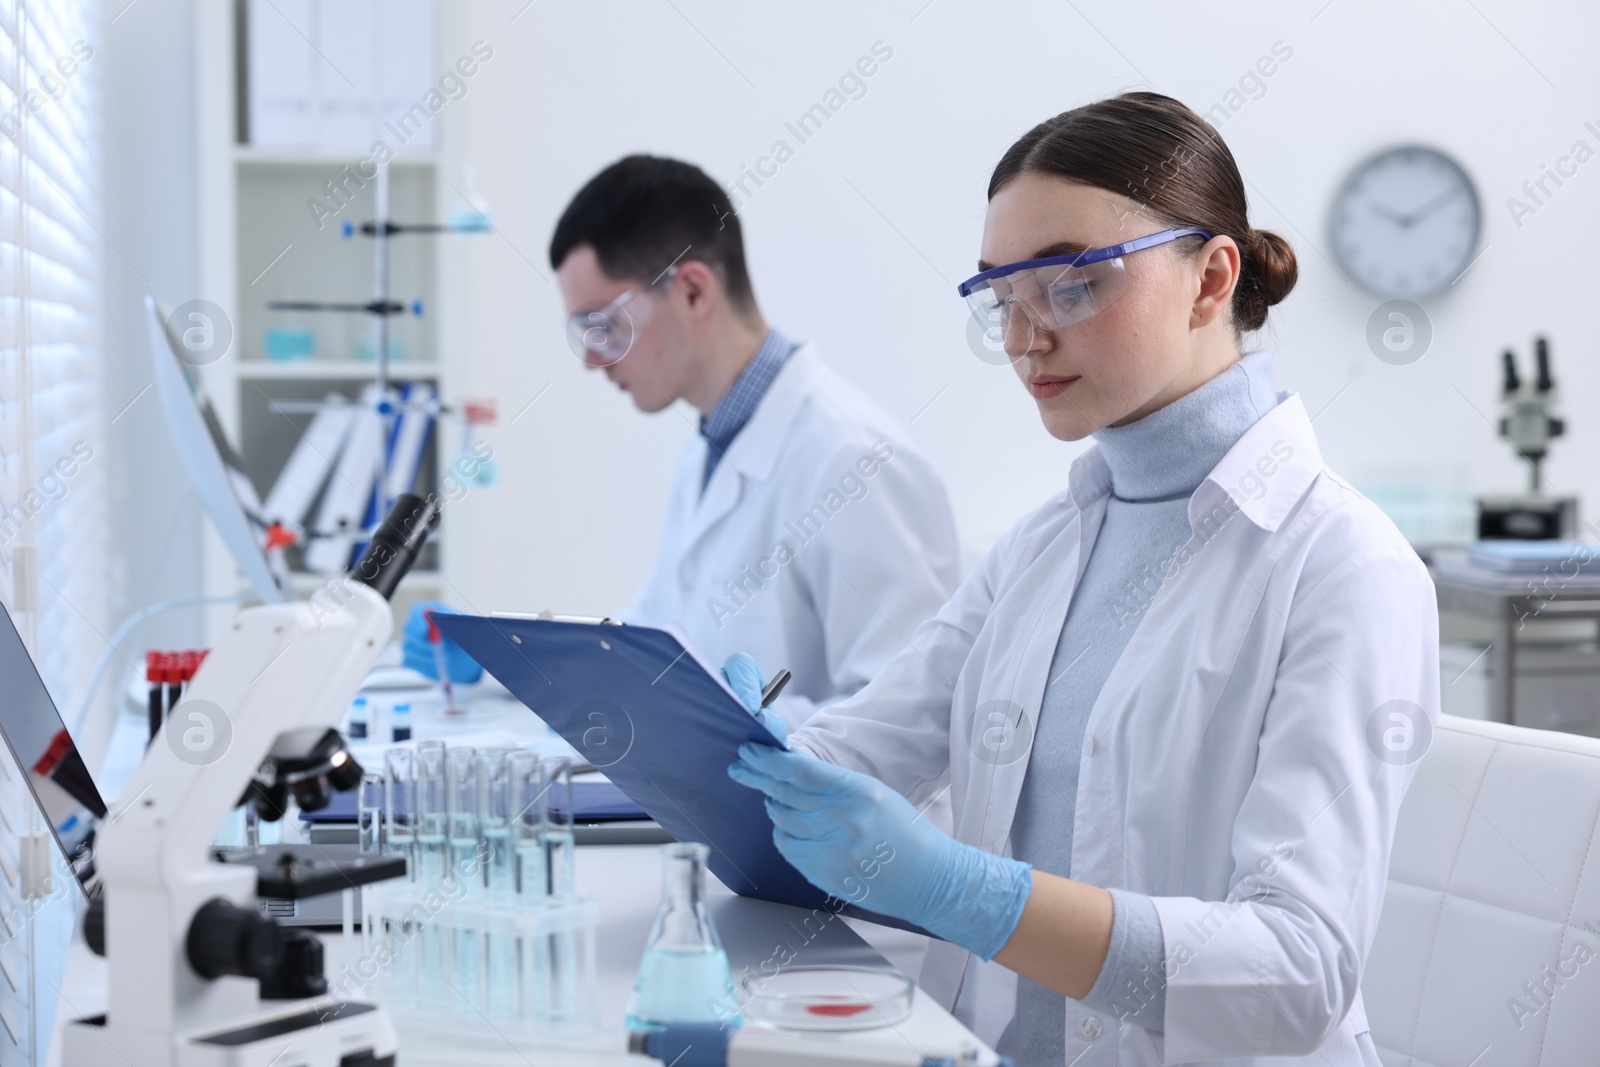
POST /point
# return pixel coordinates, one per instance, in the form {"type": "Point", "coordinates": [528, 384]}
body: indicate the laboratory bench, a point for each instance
{"type": "Point", "coordinates": [625, 880]}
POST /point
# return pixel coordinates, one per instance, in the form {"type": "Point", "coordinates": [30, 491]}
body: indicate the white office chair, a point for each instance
{"type": "Point", "coordinates": [1494, 883]}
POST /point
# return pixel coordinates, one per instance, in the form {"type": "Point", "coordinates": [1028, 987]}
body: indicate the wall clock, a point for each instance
{"type": "Point", "coordinates": [1405, 222]}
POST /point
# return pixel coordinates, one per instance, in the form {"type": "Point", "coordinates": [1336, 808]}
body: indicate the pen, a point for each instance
{"type": "Point", "coordinates": [774, 687]}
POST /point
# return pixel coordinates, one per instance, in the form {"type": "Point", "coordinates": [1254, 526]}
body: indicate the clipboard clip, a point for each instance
{"type": "Point", "coordinates": [550, 616]}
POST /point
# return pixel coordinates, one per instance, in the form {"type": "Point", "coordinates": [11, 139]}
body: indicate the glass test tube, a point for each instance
{"type": "Point", "coordinates": [433, 817]}
{"type": "Point", "coordinates": [462, 772]}
{"type": "Point", "coordinates": [369, 811]}
{"type": "Point", "coordinates": [498, 857]}
{"type": "Point", "coordinates": [527, 825]}
{"type": "Point", "coordinates": [400, 832]}
{"type": "Point", "coordinates": [561, 947]}
{"type": "Point", "coordinates": [432, 811]}
{"type": "Point", "coordinates": [557, 831]}
{"type": "Point", "coordinates": [527, 784]}
{"type": "Point", "coordinates": [400, 805]}
{"type": "Point", "coordinates": [494, 820]}
{"type": "Point", "coordinates": [464, 942]}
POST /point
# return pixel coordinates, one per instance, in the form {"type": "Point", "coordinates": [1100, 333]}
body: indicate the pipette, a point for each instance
{"type": "Point", "coordinates": [436, 639]}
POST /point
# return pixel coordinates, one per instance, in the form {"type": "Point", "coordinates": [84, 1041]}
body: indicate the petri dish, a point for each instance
{"type": "Point", "coordinates": [828, 998]}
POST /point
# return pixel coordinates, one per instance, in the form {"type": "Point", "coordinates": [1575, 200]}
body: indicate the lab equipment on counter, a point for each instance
{"type": "Point", "coordinates": [829, 998]}
{"type": "Point", "coordinates": [684, 975]}
{"type": "Point", "coordinates": [1521, 647]}
{"type": "Point", "coordinates": [358, 720]}
{"type": "Point", "coordinates": [711, 1045]}
{"type": "Point", "coordinates": [190, 959]}
{"type": "Point", "coordinates": [1558, 559]}
{"type": "Point", "coordinates": [1528, 424]}
{"type": "Point", "coordinates": [489, 930]}
{"type": "Point", "coordinates": [400, 723]}
{"type": "Point", "coordinates": [673, 762]}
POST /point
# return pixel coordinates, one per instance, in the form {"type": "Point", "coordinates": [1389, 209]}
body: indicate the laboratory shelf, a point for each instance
{"type": "Point", "coordinates": [400, 370]}
{"type": "Point", "coordinates": [271, 157]}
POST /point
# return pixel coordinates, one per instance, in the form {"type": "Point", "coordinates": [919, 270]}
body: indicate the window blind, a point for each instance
{"type": "Point", "coordinates": [53, 521]}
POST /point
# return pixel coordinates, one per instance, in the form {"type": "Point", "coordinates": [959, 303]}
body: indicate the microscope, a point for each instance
{"type": "Point", "coordinates": [1528, 424]}
{"type": "Point", "coordinates": [197, 975]}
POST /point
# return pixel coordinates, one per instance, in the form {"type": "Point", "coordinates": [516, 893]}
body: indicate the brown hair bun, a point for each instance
{"type": "Point", "coordinates": [1267, 272]}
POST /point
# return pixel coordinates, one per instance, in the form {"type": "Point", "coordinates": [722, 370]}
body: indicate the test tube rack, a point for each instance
{"type": "Point", "coordinates": [487, 936]}
{"type": "Point", "coordinates": [527, 972]}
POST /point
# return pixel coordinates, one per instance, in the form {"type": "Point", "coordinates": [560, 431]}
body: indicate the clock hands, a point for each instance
{"type": "Point", "coordinates": [1387, 212]}
{"type": "Point", "coordinates": [1405, 220]}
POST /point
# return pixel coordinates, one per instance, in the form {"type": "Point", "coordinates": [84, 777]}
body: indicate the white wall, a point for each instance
{"type": "Point", "coordinates": [858, 241]}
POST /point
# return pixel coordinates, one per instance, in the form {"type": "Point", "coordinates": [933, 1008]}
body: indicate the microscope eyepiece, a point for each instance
{"type": "Point", "coordinates": [1512, 382]}
{"type": "Point", "coordinates": [1541, 351]}
{"type": "Point", "coordinates": [396, 543]}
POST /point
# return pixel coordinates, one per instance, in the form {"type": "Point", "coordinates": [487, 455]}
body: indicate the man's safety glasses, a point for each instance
{"type": "Point", "coordinates": [601, 338]}
{"type": "Point", "coordinates": [1056, 291]}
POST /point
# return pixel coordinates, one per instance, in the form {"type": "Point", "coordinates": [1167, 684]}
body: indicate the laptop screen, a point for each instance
{"type": "Point", "coordinates": [39, 742]}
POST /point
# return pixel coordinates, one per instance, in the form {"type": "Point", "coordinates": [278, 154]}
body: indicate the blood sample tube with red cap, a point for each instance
{"type": "Point", "coordinates": [153, 678]}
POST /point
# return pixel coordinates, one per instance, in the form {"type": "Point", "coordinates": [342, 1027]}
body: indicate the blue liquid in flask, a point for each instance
{"type": "Point", "coordinates": [684, 975]}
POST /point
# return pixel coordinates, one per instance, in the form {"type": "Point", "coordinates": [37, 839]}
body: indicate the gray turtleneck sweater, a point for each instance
{"type": "Point", "coordinates": [1156, 465]}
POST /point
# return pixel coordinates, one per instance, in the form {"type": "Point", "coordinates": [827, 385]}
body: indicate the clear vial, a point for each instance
{"type": "Point", "coordinates": [557, 832]}
{"type": "Point", "coordinates": [369, 812]}
{"type": "Point", "coordinates": [432, 812]}
{"type": "Point", "coordinates": [433, 817]}
{"type": "Point", "coordinates": [684, 975]}
{"type": "Point", "coordinates": [499, 854]}
{"type": "Point", "coordinates": [357, 730]}
{"type": "Point", "coordinates": [400, 730]}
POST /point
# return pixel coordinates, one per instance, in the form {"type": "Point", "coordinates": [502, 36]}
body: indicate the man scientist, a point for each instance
{"type": "Point", "coordinates": [802, 526]}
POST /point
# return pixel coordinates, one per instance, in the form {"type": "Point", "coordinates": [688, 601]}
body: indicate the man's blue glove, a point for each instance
{"type": "Point", "coordinates": [419, 654]}
{"type": "Point", "coordinates": [854, 837]}
{"type": "Point", "coordinates": [744, 677]}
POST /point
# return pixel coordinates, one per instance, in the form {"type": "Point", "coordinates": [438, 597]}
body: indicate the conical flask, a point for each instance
{"type": "Point", "coordinates": [684, 975]}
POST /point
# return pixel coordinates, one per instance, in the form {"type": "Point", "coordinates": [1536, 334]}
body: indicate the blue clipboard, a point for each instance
{"type": "Point", "coordinates": [635, 703]}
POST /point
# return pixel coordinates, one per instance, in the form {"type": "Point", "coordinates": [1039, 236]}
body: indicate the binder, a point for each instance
{"type": "Point", "coordinates": [408, 439]}
{"type": "Point", "coordinates": [343, 515]}
{"type": "Point", "coordinates": [309, 468]}
{"type": "Point", "coordinates": [662, 725]}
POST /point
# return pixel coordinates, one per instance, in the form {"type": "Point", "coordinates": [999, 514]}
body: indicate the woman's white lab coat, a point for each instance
{"type": "Point", "coordinates": [821, 540]}
{"type": "Point", "coordinates": [1243, 765]}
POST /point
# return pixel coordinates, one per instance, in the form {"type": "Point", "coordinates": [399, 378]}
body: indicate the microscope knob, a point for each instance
{"type": "Point", "coordinates": [302, 974]}
{"type": "Point", "coordinates": [94, 926]}
{"type": "Point", "coordinates": [227, 939]}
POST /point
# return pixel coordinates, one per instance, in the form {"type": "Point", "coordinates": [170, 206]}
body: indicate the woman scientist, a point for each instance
{"type": "Point", "coordinates": [1178, 705]}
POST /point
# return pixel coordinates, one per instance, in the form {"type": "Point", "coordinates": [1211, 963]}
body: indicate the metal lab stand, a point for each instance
{"type": "Point", "coordinates": [1508, 603]}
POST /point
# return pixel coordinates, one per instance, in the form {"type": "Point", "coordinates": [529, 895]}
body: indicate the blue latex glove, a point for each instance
{"type": "Point", "coordinates": [744, 677]}
{"type": "Point", "coordinates": [854, 837]}
{"type": "Point", "coordinates": [419, 650]}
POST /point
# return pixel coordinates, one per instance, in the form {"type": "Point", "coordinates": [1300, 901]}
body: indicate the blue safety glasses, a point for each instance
{"type": "Point", "coordinates": [1056, 291]}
